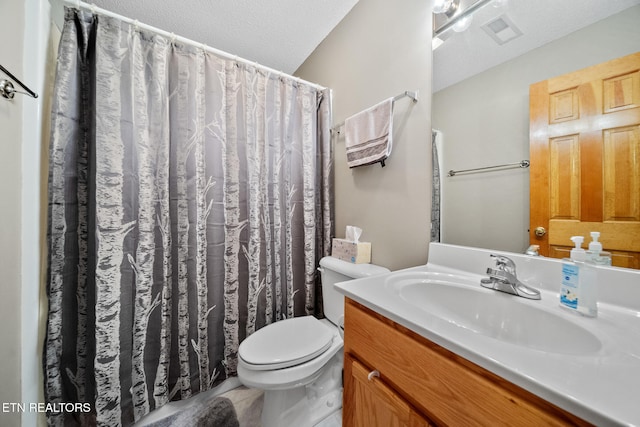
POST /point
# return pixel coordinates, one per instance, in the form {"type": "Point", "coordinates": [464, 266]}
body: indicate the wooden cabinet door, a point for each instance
{"type": "Point", "coordinates": [585, 159]}
{"type": "Point", "coordinates": [373, 403]}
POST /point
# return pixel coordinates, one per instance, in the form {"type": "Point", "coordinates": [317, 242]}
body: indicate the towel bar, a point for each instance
{"type": "Point", "coordinates": [520, 164]}
{"type": "Point", "coordinates": [413, 94]}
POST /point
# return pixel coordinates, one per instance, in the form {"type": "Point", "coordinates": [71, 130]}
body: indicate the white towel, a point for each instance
{"type": "Point", "coordinates": [368, 135]}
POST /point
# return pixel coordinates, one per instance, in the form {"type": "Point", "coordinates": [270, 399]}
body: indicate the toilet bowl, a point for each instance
{"type": "Point", "coordinates": [298, 362]}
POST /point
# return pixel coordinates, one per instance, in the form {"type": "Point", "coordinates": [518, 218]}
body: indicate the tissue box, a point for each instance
{"type": "Point", "coordinates": [357, 253]}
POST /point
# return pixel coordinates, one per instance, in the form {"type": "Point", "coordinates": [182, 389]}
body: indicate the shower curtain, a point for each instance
{"type": "Point", "coordinates": [436, 209]}
{"type": "Point", "coordinates": [189, 204]}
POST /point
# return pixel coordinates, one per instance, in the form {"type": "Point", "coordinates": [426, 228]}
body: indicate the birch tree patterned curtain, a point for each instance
{"type": "Point", "coordinates": [189, 204]}
{"type": "Point", "coordinates": [435, 187]}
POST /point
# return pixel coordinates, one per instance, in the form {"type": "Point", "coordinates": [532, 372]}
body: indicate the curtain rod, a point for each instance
{"type": "Point", "coordinates": [520, 164]}
{"type": "Point", "coordinates": [7, 90]}
{"type": "Point", "coordinates": [413, 94]}
{"type": "Point", "coordinates": [94, 9]}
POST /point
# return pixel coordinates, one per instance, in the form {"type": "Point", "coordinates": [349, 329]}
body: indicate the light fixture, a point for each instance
{"type": "Point", "coordinates": [448, 7]}
{"type": "Point", "coordinates": [459, 16]}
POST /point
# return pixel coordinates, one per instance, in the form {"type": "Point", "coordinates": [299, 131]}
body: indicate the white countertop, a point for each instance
{"type": "Point", "coordinates": [602, 387]}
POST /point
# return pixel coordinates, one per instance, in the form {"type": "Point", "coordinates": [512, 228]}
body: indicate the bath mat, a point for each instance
{"type": "Point", "coordinates": [217, 411]}
{"type": "Point", "coordinates": [238, 407]}
{"type": "Point", "coordinates": [248, 405]}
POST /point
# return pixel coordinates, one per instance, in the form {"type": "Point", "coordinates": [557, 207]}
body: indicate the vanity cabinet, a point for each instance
{"type": "Point", "coordinates": [377, 404]}
{"type": "Point", "coordinates": [395, 377]}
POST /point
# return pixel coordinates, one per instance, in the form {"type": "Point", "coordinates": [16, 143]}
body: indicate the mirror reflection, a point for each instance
{"type": "Point", "coordinates": [481, 110]}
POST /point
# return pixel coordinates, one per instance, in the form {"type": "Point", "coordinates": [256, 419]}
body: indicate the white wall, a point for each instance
{"type": "Point", "coordinates": [40, 50]}
{"type": "Point", "coordinates": [26, 53]}
{"type": "Point", "coordinates": [380, 49]}
{"type": "Point", "coordinates": [11, 34]}
{"type": "Point", "coordinates": [485, 121]}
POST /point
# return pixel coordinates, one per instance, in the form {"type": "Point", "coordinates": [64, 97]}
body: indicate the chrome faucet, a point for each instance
{"type": "Point", "coordinates": [503, 278]}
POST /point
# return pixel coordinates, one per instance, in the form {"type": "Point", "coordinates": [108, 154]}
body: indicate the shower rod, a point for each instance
{"type": "Point", "coordinates": [78, 4]}
{"type": "Point", "coordinates": [6, 87]}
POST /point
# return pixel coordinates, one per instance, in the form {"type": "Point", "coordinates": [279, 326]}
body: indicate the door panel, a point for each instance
{"type": "Point", "coordinates": [622, 174]}
{"type": "Point", "coordinates": [585, 159]}
{"type": "Point", "coordinates": [376, 404]}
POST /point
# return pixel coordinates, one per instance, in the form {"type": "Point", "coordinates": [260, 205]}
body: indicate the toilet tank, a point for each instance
{"type": "Point", "coordinates": [334, 270]}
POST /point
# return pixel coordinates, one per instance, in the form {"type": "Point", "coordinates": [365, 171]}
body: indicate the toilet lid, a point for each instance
{"type": "Point", "coordinates": [286, 343]}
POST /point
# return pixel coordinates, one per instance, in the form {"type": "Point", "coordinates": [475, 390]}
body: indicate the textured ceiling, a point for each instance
{"type": "Point", "coordinates": [470, 52]}
{"type": "Point", "coordinates": [280, 34]}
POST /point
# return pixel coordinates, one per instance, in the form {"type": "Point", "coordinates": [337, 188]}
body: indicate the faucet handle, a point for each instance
{"type": "Point", "coordinates": [504, 263]}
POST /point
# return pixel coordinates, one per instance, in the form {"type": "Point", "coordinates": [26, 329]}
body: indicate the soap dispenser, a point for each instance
{"type": "Point", "coordinates": [595, 253]}
{"type": "Point", "coordinates": [579, 275]}
{"type": "Point", "coordinates": [570, 288]}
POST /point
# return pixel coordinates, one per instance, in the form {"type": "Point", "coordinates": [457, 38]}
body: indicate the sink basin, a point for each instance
{"type": "Point", "coordinates": [463, 302]}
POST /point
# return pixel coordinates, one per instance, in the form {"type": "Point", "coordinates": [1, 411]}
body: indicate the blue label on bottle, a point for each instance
{"type": "Point", "coordinates": [569, 300]}
{"type": "Point", "coordinates": [569, 288]}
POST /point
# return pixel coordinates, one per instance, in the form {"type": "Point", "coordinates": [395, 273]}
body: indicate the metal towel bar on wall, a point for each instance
{"type": "Point", "coordinates": [520, 164]}
{"type": "Point", "coordinates": [6, 87]}
{"type": "Point", "coordinates": [413, 94]}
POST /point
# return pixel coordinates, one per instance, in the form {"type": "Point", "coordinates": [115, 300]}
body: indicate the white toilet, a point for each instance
{"type": "Point", "coordinates": [298, 362]}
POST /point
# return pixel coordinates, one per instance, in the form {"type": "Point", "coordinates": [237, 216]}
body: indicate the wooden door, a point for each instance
{"type": "Point", "coordinates": [374, 403]}
{"type": "Point", "coordinates": [585, 159]}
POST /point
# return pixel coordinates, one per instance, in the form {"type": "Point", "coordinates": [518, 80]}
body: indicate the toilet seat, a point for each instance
{"type": "Point", "coordinates": [286, 343]}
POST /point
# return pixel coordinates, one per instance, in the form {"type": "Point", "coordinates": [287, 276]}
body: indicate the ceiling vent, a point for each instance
{"type": "Point", "coordinates": [502, 29]}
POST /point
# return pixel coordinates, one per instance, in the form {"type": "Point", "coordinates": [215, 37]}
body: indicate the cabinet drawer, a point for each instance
{"type": "Point", "coordinates": [445, 387]}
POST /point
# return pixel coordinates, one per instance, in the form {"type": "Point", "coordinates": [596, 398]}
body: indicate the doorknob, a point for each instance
{"type": "Point", "coordinates": [540, 231]}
